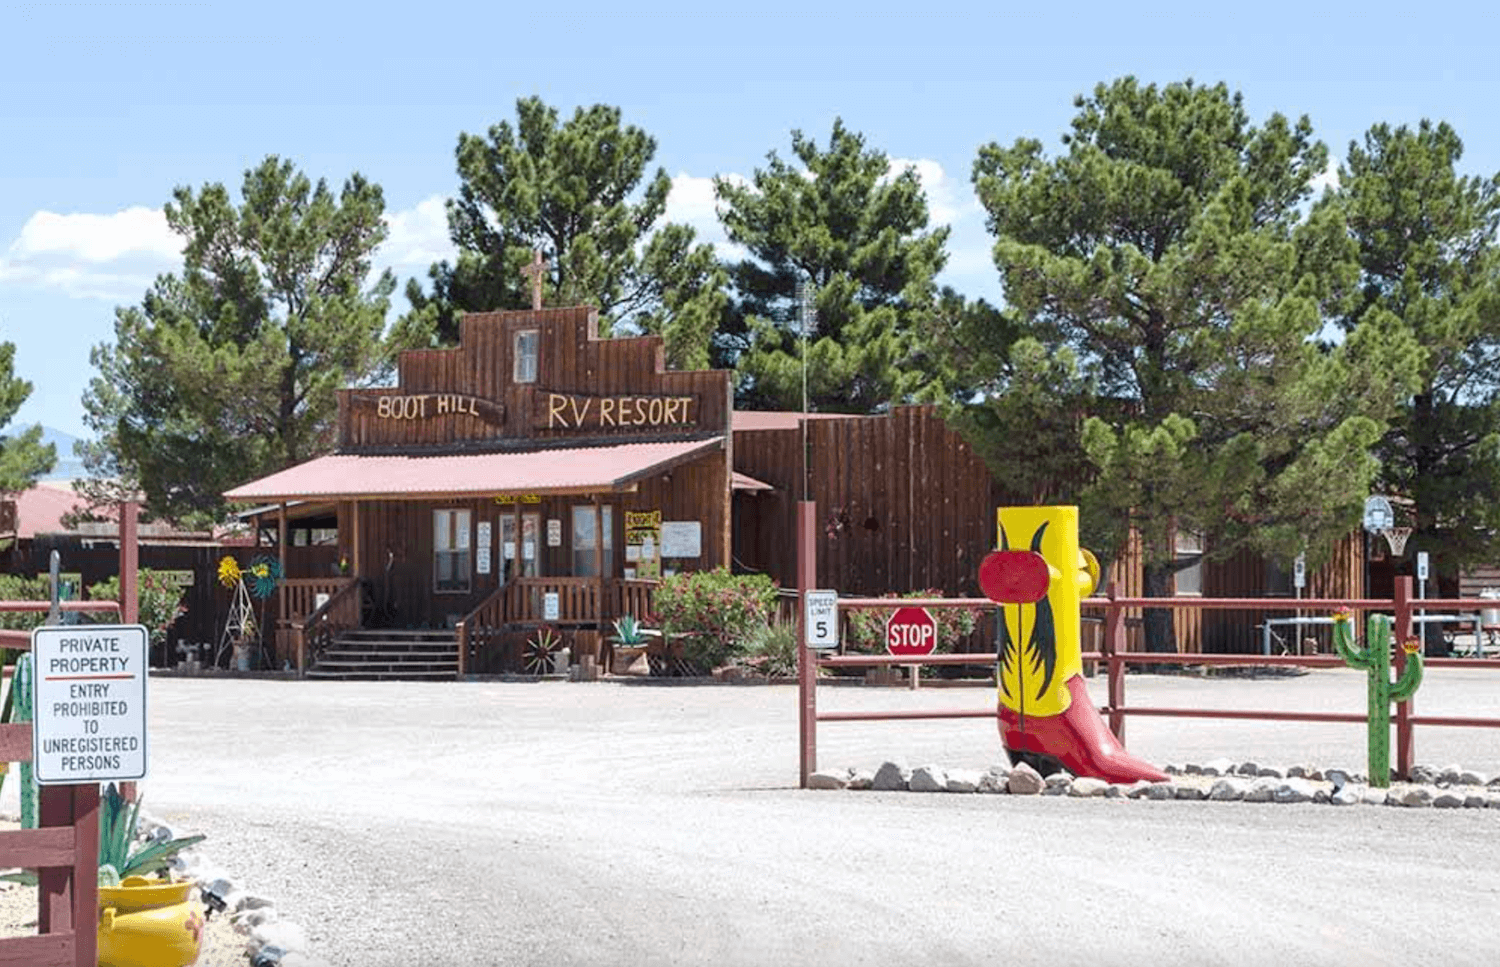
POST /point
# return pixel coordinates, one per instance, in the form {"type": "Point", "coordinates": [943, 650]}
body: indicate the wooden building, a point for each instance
{"type": "Point", "coordinates": [538, 474]}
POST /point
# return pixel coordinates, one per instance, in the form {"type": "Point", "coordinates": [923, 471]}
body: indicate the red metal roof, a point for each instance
{"type": "Point", "coordinates": [743, 481]}
{"type": "Point", "coordinates": [579, 470]}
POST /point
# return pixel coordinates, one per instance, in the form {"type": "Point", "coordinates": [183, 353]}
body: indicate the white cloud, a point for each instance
{"type": "Point", "coordinates": [948, 202]}
{"type": "Point", "coordinates": [1328, 178]}
{"type": "Point", "coordinates": [418, 236]}
{"type": "Point", "coordinates": [112, 257]}
{"type": "Point", "coordinates": [691, 202]}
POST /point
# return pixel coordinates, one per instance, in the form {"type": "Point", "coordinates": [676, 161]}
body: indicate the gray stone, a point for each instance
{"type": "Point", "coordinates": [1269, 772]}
{"type": "Point", "coordinates": [927, 779]}
{"type": "Point", "coordinates": [1186, 791]}
{"type": "Point", "coordinates": [963, 780]}
{"type": "Point", "coordinates": [1492, 800]}
{"type": "Point", "coordinates": [1218, 767]}
{"type": "Point", "coordinates": [1339, 777]}
{"type": "Point", "coordinates": [1424, 775]}
{"type": "Point", "coordinates": [1137, 789]}
{"type": "Point", "coordinates": [991, 783]}
{"type": "Point", "coordinates": [1024, 781]}
{"type": "Point", "coordinates": [1494, 782]}
{"type": "Point", "coordinates": [1248, 769]}
{"type": "Point", "coordinates": [1172, 769]}
{"type": "Point", "coordinates": [890, 777]}
{"type": "Point", "coordinates": [1346, 796]}
{"type": "Point", "coordinates": [1263, 789]}
{"type": "Point", "coordinates": [1058, 784]}
{"type": "Point", "coordinates": [1114, 791]}
{"type": "Point", "coordinates": [1374, 796]}
{"type": "Point", "coordinates": [1415, 796]}
{"type": "Point", "coordinates": [861, 779]}
{"type": "Point", "coordinates": [1450, 775]}
{"type": "Point", "coordinates": [250, 901]}
{"type": "Point", "coordinates": [1448, 800]}
{"type": "Point", "coordinates": [1086, 787]}
{"type": "Point", "coordinates": [284, 934]}
{"type": "Point", "coordinates": [828, 779]}
{"type": "Point", "coordinates": [1229, 790]}
{"type": "Point", "coordinates": [1192, 769]}
{"type": "Point", "coordinates": [1321, 796]}
{"type": "Point", "coordinates": [1293, 790]}
{"type": "Point", "coordinates": [248, 920]}
{"type": "Point", "coordinates": [1471, 778]}
{"type": "Point", "coordinates": [1161, 790]}
{"type": "Point", "coordinates": [1297, 772]}
{"type": "Point", "coordinates": [1474, 800]}
{"type": "Point", "coordinates": [999, 770]}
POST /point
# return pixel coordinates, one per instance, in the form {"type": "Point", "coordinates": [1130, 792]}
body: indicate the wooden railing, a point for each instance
{"type": "Point", "coordinates": [489, 614]}
{"type": "Point", "coordinates": [340, 612]}
{"type": "Point", "coordinates": [636, 598]}
{"type": "Point", "coordinates": [577, 601]}
{"type": "Point", "coordinates": [302, 594]}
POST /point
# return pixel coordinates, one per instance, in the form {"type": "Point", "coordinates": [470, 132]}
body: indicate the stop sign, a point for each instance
{"type": "Point", "coordinates": [910, 631]}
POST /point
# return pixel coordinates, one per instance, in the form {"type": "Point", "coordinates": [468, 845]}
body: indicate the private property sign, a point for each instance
{"type": "Point", "coordinates": [910, 631]}
{"type": "Point", "coordinates": [90, 709]}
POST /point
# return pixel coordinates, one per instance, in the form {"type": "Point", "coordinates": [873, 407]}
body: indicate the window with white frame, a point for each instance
{"type": "Point", "coordinates": [1189, 577]}
{"type": "Point", "coordinates": [450, 550]}
{"type": "Point", "coordinates": [526, 344]}
{"type": "Point", "coordinates": [583, 540]}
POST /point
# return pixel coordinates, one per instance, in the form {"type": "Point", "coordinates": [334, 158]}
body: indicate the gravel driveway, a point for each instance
{"type": "Point", "coordinates": [490, 823]}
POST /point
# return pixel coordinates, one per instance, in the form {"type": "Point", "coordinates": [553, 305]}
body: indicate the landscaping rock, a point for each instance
{"type": "Point", "coordinates": [1346, 796]}
{"type": "Point", "coordinates": [991, 783]}
{"type": "Point", "coordinates": [1474, 800]}
{"type": "Point", "coordinates": [927, 779]}
{"type": "Point", "coordinates": [1114, 791]}
{"type": "Point", "coordinates": [1293, 790]}
{"type": "Point", "coordinates": [1339, 777]}
{"type": "Point", "coordinates": [1450, 775]}
{"type": "Point", "coordinates": [1172, 769]}
{"type": "Point", "coordinates": [1024, 781]}
{"type": "Point", "coordinates": [1414, 796]}
{"type": "Point", "coordinates": [1192, 769]}
{"type": "Point", "coordinates": [861, 779]}
{"type": "Point", "coordinates": [963, 780]}
{"type": "Point", "coordinates": [1086, 787]}
{"type": "Point", "coordinates": [1494, 782]}
{"type": "Point", "coordinates": [1263, 789]}
{"type": "Point", "coordinates": [1229, 790]}
{"type": "Point", "coordinates": [1448, 800]}
{"type": "Point", "coordinates": [1269, 772]}
{"type": "Point", "coordinates": [1187, 791]}
{"type": "Point", "coordinates": [828, 779]}
{"type": "Point", "coordinates": [890, 777]}
{"type": "Point", "coordinates": [1218, 767]}
{"type": "Point", "coordinates": [1374, 797]}
{"type": "Point", "coordinates": [1248, 769]}
{"type": "Point", "coordinates": [1424, 775]}
{"type": "Point", "coordinates": [1471, 778]}
{"type": "Point", "coordinates": [1058, 784]}
{"type": "Point", "coordinates": [1161, 790]}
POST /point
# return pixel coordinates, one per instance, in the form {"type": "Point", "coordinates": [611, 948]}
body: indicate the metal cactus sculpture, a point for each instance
{"type": "Point", "coordinates": [1375, 659]}
{"type": "Point", "coordinates": [21, 690]}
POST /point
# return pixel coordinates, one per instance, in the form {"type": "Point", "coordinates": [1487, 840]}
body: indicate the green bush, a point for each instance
{"type": "Point", "coordinates": [771, 649]}
{"type": "Point", "coordinates": [716, 611]}
{"type": "Point", "coordinates": [159, 602]}
{"type": "Point", "coordinates": [866, 626]}
{"type": "Point", "coordinates": [14, 587]}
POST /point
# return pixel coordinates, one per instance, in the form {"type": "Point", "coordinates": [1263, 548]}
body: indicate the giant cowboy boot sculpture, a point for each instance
{"type": "Point", "coordinates": [1045, 710]}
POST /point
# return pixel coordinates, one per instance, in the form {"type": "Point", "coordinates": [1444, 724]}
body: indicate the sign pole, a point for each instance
{"type": "Point", "coordinates": [807, 684]}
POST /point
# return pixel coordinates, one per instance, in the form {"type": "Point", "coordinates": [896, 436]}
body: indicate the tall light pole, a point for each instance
{"type": "Point", "coordinates": [807, 321]}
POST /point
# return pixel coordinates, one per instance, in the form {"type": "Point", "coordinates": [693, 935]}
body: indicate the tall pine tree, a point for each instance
{"type": "Point", "coordinates": [23, 456]}
{"type": "Point", "coordinates": [841, 220]}
{"type": "Point", "coordinates": [1168, 248]}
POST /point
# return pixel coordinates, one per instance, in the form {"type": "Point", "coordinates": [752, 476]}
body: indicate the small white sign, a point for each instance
{"type": "Point", "coordinates": [554, 533]}
{"type": "Point", "coordinates": [1421, 565]}
{"type": "Point", "coordinates": [549, 606]}
{"type": "Point", "coordinates": [90, 703]}
{"type": "Point", "coordinates": [528, 550]}
{"type": "Point", "coordinates": [821, 614]}
{"type": "Point", "coordinates": [482, 549]}
{"type": "Point", "coordinates": [681, 538]}
{"type": "Point", "coordinates": [1299, 571]}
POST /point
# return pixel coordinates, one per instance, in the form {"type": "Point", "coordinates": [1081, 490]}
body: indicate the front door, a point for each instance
{"type": "Point", "coordinates": [528, 550]}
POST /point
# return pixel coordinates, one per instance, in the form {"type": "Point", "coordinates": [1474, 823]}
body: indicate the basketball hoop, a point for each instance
{"type": "Point", "coordinates": [1395, 538]}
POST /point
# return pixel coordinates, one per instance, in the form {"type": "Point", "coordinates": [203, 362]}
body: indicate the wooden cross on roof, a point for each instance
{"type": "Point", "coordinates": [535, 270]}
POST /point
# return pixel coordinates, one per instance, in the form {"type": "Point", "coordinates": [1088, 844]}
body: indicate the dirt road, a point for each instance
{"type": "Point", "coordinates": [600, 824]}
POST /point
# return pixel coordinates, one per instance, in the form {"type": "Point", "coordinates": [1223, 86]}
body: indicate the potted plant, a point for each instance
{"type": "Point", "coordinates": [629, 641]}
{"type": "Point", "coordinates": [145, 917]}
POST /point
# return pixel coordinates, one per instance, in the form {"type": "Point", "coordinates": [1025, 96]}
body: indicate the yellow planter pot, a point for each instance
{"type": "Point", "coordinates": [149, 923]}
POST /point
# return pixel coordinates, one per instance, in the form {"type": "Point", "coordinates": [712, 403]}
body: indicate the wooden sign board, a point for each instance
{"type": "Point", "coordinates": [573, 411]}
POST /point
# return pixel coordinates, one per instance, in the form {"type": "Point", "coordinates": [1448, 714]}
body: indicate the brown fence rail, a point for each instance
{"type": "Point", "coordinates": [1116, 658]}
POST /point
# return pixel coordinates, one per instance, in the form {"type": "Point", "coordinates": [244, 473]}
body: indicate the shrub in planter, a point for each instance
{"type": "Point", "coordinates": [715, 612]}
{"type": "Point", "coordinates": [771, 649]}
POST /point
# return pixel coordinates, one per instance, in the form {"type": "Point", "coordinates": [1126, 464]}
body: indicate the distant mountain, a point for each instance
{"type": "Point", "coordinates": [68, 467]}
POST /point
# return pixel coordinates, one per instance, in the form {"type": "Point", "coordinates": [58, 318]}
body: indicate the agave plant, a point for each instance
{"type": "Point", "coordinates": [628, 631]}
{"type": "Point", "coordinates": [119, 853]}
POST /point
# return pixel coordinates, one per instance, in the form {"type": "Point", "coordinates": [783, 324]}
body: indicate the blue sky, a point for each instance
{"type": "Point", "coordinates": [107, 107]}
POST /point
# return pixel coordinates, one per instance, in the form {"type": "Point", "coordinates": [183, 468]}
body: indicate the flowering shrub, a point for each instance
{"type": "Point", "coordinates": [866, 626]}
{"type": "Point", "coordinates": [159, 601]}
{"type": "Point", "coordinates": [13, 587]}
{"type": "Point", "coordinates": [716, 611]}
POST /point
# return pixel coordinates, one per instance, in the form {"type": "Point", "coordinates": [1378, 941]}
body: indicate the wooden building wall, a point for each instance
{"type": "Point", "coordinates": [572, 359]}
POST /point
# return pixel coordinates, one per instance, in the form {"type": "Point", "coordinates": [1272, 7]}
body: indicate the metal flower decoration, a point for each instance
{"type": "Point", "coordinates": [263, 573]}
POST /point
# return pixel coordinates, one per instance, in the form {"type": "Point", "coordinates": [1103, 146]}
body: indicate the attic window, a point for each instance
{"type": "Point", "coordinates": [525, 369]}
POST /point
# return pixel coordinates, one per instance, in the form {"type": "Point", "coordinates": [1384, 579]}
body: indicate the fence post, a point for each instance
{"type": "Point", "coordinates": [807, 682]}
{"type": "Point", "coordinates": [130, 602]}
{"type": "Point", "coordinates": [1114, 643]}
{"type": "Point", "coordinates": [1404, 744]}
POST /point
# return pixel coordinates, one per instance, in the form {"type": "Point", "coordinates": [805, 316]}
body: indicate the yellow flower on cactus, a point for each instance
{"type": "Point", "coordinates": [1411, 646]}
{"type": "Point", "coordinates": [229, 571]}
{"type": "Point", "coordinates": [1343, 614]}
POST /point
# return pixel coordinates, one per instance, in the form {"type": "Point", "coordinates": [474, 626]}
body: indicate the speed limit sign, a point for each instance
{"type": "Point", "coordinates": [821, 614]}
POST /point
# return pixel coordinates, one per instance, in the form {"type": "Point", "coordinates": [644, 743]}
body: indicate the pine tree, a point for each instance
{"type": "Point", "coordinates": [23, 456]}
{"type": "Point", "coordinates": [842, 221]}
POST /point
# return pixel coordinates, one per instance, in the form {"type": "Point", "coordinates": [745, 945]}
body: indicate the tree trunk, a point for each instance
{"type": "Point", "coordinates": [1158, 621]}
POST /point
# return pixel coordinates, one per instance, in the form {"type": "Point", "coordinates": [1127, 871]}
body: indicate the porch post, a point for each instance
{"type": "Point", "coordinates": [130, 560]}
{"type": "Point", "coordinates": [281, 585]}
{"type": "Point", "coordinates": [603, 610]}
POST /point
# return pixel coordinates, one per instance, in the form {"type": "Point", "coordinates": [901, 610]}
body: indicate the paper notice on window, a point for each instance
{"type": "Point", "coordinates": [528, 550]}
{"type": "Point", "coordinates": [648, 549]}
{"type": "Point", "coordinates": [510, 550]}
{"type": "Point", "coordinates": [681, 538]}
{"type": "Point", "coordinates": [632, 552]}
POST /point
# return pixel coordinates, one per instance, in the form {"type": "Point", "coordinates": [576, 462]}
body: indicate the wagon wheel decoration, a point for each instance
{"type": "Point", "coordinates": [540, 649]}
